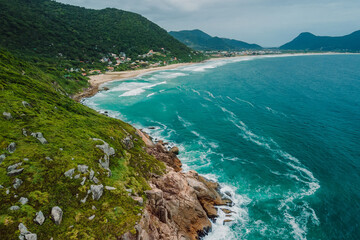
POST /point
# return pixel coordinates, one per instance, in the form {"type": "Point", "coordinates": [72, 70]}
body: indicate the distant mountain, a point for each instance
{"type": "Point", "coordinates": [199, 40]}
{"type": "Point", "coordinates": [49, 28]}
{"type": "Point", "coordinates": [308, 41]}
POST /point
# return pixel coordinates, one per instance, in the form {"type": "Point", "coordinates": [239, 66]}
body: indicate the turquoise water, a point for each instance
{"type": "Point", "coordinates": [281, 135]}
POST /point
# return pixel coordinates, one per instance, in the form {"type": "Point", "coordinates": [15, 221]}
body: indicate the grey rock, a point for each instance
{"type": "Point", "coordinates": [48, 158]}
{"type": "Point", "coordinates": [39, 136]}
{"type": "Point", "coordinates": [61, 149]}
{"type": "Point", "coordinates": [17, 183]}
{"type": "Point", "coordinates": [83, 168]}
{"type": "Point", "coordinates": [97, 191]}
{"type": "Point", "coordinates": [14, 208]}
{"type": "Point", "coordinates": [129, 190]}
{"type": "Point", "coordinates": [140, 200]}
{"type": "Point", "coordinates": [40, 218]}
{"type": "Point", "coordinates": [7, 115]}
{"type": "Point", "coordinates": [31, 236]}
{"type": "Point", "coordinates": [1, 186]}
{"type": "Point", "coordinates": [128, 143]}
{"type": "Point", "coordinates": [57, 214]}
{"type": "Point", "coordinates": [25, 133]}
{"type": "Point", "coordinates": [108, 151]}
{"type": "Point", "coordinates": [13, 167]}
{"type": "Point", "coordinates": [23, 200]}
{"type": "Point", "coordinates": [77, 176]}
{"type": "Point", "coordinates": [84, 199]}
{"type": "Point", "coordinates": [109, 188]}
{"type": "Point", "coordinates": [92, 217]}
{"type": "Point", "coordinates": [25, 104]}
{"type": "Point", "coordinates": [69, 173]}
{"type": "Point", "coordinates": [12, 147]}
{"type": "Point", "coordinates": [7, 191]}
{"type": "Point", "coordinates": [83, 181]}
{"type": "Point", "coordinates": [15, 172]}
{"type": "Point", "coordinates": [23, 230]}
{"type": "Point", "coordinates": [93, 207]}
{"type": "Point", "coordinates": [26, 159]}
{"type": "Point", "coordinates": [2, 157]}
{"type": "Point", "coordinates": [95, 180]}
{"type": "Point", "coordinates": [92, 174]}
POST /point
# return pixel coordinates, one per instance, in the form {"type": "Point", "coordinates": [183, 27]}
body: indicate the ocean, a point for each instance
{"type": "Point", "coordinates": [281, 134]}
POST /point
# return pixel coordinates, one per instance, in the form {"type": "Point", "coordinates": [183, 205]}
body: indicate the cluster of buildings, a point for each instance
{"type": "Point", "coordinates": [241, 53]}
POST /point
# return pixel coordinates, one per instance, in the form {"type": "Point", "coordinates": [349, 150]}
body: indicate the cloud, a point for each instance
{"type": "Point", "coordinates": [267, 22]}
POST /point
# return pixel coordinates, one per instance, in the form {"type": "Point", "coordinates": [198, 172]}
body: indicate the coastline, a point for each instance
{"type": "Point", "coordinates": [96, 80]}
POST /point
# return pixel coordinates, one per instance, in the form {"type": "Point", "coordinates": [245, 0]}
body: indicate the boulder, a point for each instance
{"type": "Point", "coordinates": [26, 104]}
{"type": "Point", "coordinates": [83, 181]}
{"type": "Point", "coordinates": [69, 173]}
{"type": "Point", "coordinates": [92, 174]}
{"type": "Point", "coordinates": [97, 191]}
{"type": "Point", "coordinates": [2, 157]}
{"type": "Point", "coordinates": [40, 218]}
{"type": "Point", "coordinates": [83, 168]}
{"type": "Point", "coordinates": [15, 172]}
{"type": "Point", "coordinates": [13, 167]}
{"type": "Point", "coordinates": [57, 214]}
{"type": "Point", "coordinates": [39, 136]}
{"type": "Point", "coordinates": [17, 183]}
{"type": "Point", "coordinates": [12, 147]}
{"type": "Point", "coordinates": [25, 133]}
{"type": "Point", "coordinates": [108, 151]}
{"type": "Point", "coordinates": [23, 230]}
{"type": "Point", "coordinates": [48, 158]}
{"type": "Point", "coordinates": [14, 208]}
{"type": "Point", "coordinates": [109, 188]}
{"type": "Point", "coordinates": [77, 176]}
{"type": "Point", "coordinates": [175, 150]}
{"type": "Point", "coordinates": [7, 115]}
{"type": "Point", "coordinates": [95, 180]}
{"type": "Point", "coordinates": [128, 143]}
{"type": "Point", "coordinates": [23, 200]}
{"type": "Point", "coordinates": [31, 236]}
{"type": "Point", "coordinates": [91, 217]}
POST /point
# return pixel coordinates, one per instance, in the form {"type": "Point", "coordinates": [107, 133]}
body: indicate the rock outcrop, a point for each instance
{"type": "Point", "coordinates": [57, 214]}
{"type": "Point", "coordinates": [180, 205]}
{"type": "Point", "coordinates": [39, 136]}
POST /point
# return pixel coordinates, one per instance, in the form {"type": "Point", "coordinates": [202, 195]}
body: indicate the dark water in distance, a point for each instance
{"type": "Point", "coordinates": [281, 135]}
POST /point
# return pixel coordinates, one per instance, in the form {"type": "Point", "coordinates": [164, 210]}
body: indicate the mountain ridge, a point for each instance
{"type": "Point", "coordinates": [311, 42]}
{"type": "Point", "coordinates": [200, 40]}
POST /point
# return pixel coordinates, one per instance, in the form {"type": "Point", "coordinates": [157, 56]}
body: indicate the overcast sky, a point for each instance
{"type": "Point", "coordinates": [265, 22]}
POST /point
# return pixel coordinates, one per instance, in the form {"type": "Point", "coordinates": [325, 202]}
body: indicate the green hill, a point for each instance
{"type": "Point", "coordinates": [310, 42]}
{"type": "Point", "coordinates": [49, 28]}
{"type": "Point", "coordinates": [199, 40]}
{"type": "Point", "coordinates": [32, 102]}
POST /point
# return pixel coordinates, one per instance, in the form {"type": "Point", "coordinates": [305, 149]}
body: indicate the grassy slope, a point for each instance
{"type": "Point", "coordinates": [68, 125]}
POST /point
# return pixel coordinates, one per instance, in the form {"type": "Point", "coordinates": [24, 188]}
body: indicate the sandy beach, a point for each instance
{"type": "Point", "coordinates": [96, 80]}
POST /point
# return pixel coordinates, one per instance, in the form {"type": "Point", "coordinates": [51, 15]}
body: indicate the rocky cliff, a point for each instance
{"type": "Point", "coordinates": [180, 205]}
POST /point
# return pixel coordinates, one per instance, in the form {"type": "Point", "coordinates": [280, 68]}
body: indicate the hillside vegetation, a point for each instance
{"type": "Point", "coordinates": [310, 42]}
{"type": "Point", "coordinates": [70, 41]}
{"type": "Point", "coordinates": [32, 168]}
{"type": "Point", "coordinates": [199, 40]}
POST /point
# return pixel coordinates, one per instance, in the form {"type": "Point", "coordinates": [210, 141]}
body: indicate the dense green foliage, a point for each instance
{"type": "Point", "coordinates": [58, 37]}
{"type": "Point", "coordinates": [310, 42]}
{"type": "Point", "coordinates": [49, 28]}
{"type": "Point", "coordinates": [69, 128]}
{"type": "Point", "coordinates": [199, 40]}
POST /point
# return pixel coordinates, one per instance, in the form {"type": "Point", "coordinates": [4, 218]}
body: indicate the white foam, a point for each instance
{"type": "Point", "coordinates": [149, 95]}
{"type": "Point", "coordinates": [241, 100]}
{"type": "Point", "coordinates": [139, 90]}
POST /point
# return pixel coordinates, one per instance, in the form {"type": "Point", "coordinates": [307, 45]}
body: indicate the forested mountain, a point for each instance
{"type": "Point", "coordinates": [199, 40]}
{"type": "Point", "coordinates": [308, 41]}
{"type": "Point", "coordinates": [49, 28]}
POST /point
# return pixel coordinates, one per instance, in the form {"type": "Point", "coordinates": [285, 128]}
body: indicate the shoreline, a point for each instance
{"type": "Point", "coordinates": [96, 80]}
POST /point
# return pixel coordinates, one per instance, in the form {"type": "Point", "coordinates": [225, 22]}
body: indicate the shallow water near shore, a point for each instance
{"type": "Point", "coordinates": [280, 134]}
